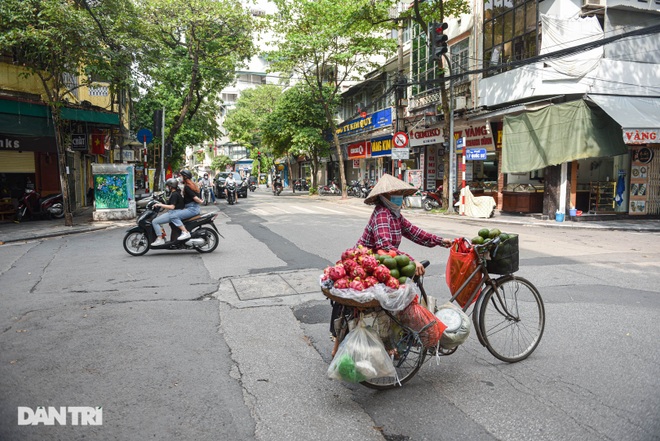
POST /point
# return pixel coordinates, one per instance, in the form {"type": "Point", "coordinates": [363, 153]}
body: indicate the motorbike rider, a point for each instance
{"type": "Point", "coordinates": [205, 181]}
{"type": "Point", "coordinates": [229, 181]}
{"type": "Point", "coordinates": [174, 202]}
{"type": "Point", "coordinates": [277, 182]}
{"type": "Point", "coordinates": [191, 201]}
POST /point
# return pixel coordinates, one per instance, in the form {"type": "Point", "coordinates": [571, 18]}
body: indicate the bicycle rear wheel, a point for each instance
{"type": "Point", "coordinates": [511, 319]}
{"type": "Point", "coordinates": [408, 353]}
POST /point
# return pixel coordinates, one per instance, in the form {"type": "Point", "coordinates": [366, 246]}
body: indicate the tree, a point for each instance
{"type": "Point", "coordinates": [298, 126]}
{"type": "Point", "coordinates": [193, 51]}
{"type": "Point", "coordinates": [54, 39]}
{"type": "Point", "coordinates": [244, 122]}
{"type": "Point", "coordinates": [325, 43]}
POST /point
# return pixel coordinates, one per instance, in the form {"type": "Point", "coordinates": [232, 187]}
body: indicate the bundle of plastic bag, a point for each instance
{"type": "Point", "coordinates": [361, 356]}
{"type": "Point", "coordinates": [420, 319]}
{"type": "Point", "coordinates": [394, 300]}
{"type": "Point", "coordinates": [458, 325]}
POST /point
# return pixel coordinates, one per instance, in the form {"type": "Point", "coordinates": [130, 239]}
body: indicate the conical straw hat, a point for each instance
{"type": "Point", "coordinates": [388, 184]}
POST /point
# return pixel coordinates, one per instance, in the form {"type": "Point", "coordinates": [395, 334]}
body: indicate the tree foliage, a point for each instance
{"type": "Point", "coordinates": [244, 123]}
{"type": "Point", "coordinates": [193, 51]}
{"type": "Point", "coordinates": [298, 126]}
{"type": "Point", "coordinates": [326, 43]}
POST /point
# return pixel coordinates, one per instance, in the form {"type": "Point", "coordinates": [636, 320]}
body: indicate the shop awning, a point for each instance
{"type": "Point", "coordinates": [558, 134]}
{"type": "Point", "coordinates": [639, 117]}
{"type": "Point", "coordinates": [11, 107]}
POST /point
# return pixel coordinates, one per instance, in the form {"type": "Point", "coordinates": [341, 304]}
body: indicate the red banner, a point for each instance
{"type": "Point", "coordinates": [358, 150]}
{"type": "Point", "coordinates": [98, 142]}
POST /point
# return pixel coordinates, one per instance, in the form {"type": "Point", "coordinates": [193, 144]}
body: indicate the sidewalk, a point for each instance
{"type": "Point", "coordinates": [82, 221]}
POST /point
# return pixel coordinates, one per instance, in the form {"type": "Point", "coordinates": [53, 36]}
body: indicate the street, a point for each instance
{"type": "Point", "coordinates": [234, 345]}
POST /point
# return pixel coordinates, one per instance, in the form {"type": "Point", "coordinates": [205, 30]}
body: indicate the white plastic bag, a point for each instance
{"type": "Point", "coordinates": [394, 300]}
{"type": "Point", "coordinates": [361, 356]}
{"type": "Point", "coordinates": [458, 325]}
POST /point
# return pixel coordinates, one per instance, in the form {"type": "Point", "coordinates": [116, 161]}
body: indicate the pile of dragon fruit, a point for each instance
{"type": "Point", "coordinates": [358, 269]}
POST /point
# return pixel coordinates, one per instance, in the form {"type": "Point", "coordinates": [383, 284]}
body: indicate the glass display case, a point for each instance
{"type": "Point", "coordinates": [601, 197]}
{"type": "Point", "coordinates": [522, 198]}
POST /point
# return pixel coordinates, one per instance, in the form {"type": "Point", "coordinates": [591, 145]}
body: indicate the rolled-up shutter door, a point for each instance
{"type": "Point", "coordinates": [16, 162]}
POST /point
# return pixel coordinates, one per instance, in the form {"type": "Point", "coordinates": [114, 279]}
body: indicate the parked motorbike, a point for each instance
{"type": "Point", "coordinates": [142, 201]}
{"type": "Point", "coordinates": [277, 186]}
{"type": "Point", "coordinates": [205, 193]}
{"type": "Point", "coordinates": [203, 239]}
{"type": "Point", "coordinates": [230, 190]}
{"type": "Point", "coordinates": [301, 185]}
{"type": "Point", "coordinates": [31, 204]}
{"type": "Point", "coordinates": [354, 189]}
{"type": "Point", "coordinates": [432, 199]}
{"type": "Point", "coordinates": [365, 188]}
{"type": "Point", "coordinates": [330, 189]}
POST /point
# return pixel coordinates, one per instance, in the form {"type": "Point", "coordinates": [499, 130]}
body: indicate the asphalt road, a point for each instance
{"type": "Point", "coordinates": [235, 344]}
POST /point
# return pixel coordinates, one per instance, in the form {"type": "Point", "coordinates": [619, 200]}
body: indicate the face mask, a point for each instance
{"type": "Point", "coordinates": [396, 200]}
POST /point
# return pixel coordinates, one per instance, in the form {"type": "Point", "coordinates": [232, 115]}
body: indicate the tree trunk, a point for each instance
{"type": "Point", "coordinates": [61, 160]}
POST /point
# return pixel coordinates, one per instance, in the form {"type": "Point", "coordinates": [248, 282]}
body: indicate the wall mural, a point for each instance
{"type": "Point", "coordinates": [111, 191]}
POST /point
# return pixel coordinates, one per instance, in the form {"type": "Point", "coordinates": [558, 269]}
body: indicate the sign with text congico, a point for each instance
{"type": "Point", "coordinates": [376, 120]}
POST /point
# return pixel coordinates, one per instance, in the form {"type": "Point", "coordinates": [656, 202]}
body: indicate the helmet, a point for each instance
{"type": "Point", "coordinates": [206, 175]}
{"type": "Point", "coordinates": [186, 174]}
{"type": "Point", "coordinates": [172, 182]}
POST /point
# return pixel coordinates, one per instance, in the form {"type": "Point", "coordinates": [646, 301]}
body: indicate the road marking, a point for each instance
{"type": "Point", "coordinates": [328, 209]}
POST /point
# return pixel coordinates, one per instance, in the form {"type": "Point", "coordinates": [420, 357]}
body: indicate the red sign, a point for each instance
{"type": "Point", "coordinates": [400, 139]}
{"type": "Point", "coordinates": [641, 136]}
{"type": "Point", "coordinates": [358, 150]}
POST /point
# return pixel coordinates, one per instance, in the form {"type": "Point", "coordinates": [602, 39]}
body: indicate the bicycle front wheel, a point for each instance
{"type": "Point", "coordinates": [511, 319]}
{"type": "Point", "coordinates": [408, 356]}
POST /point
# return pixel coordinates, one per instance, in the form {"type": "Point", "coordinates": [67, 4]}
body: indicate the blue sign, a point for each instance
{"type": "Point", "coordinates": [144, 135]}
{"type": "Point", "coordinates": [475, 154]}
{"type": "Point", "coordinates": [376, 120]}
{"type": "Point", "coordinates": [381, 146]}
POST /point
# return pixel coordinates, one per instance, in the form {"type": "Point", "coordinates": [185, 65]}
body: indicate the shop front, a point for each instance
{"type": "Point", "coordinates": [475, 148]}
{"type": "Point", "coordinates": [429, 142]}
{"type": "Point", "coordinates": [570, 156]}
{"type": "Point", "coordinates": [367, 145]}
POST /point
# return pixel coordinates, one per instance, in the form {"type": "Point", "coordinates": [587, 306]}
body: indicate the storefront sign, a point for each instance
{"type": "Point", "coordinates": [647, 136]}
{"type": "Point", "coordinates": [357, 150]}
{"type": "Point", "coordinates": [27, 143]}
{"type": "Point", "coordinates": [127, 155]}
{"type": "Point", "coordinates": [79, 142]}
{"type": "Point", "coordinates": [375, 120]}
{"type": "Point", "coordinates": [381, 146]}
{"type": "Point", "coordinates": [431, 166]}
{"type": "Point", "coordinates": [356, 163]}
{"type": "Point", "coordinates": [477, 136]}
{"type": "Point", "coordinates": [643, 155]}
{"type": "Point", "coordinates": [432, 135]}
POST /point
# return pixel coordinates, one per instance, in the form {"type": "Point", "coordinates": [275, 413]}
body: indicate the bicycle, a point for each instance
{"type": "Point", "coordinates": [508, 316]}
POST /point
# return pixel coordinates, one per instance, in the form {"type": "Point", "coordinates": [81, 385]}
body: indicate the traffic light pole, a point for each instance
{"type": "Point", "coordinates": [452, 141]}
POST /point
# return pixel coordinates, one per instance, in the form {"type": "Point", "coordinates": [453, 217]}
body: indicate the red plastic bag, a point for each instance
{"type": "Point", "coordinates": [420, 319]}
{"type": "Point", "coordinates": [461, 263]}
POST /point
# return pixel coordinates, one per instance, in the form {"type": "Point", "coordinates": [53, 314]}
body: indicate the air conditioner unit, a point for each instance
{"type": "Point", "coordinates": [594, 3]}
{"type": "Point", "coordinates": [459, 103]}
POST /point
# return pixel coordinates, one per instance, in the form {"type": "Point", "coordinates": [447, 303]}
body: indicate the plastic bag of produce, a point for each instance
{"type": "Point", "coordinates": [458, 325]}
{"type": "Point", "coordinates": [461, 264]}
{"type": "Point", "coordinates": [360, 357]}
{"type": "Point", "coordinates": [420, 319]}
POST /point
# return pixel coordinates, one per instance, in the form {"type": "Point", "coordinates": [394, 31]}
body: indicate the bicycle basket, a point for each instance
{"type": "Point", "coordinates": [505, 258]}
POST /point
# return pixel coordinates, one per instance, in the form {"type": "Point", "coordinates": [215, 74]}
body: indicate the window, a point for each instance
{"type": "Point", "coordinates": [229, 98]}
{"type": "Point", "coordinates": [460, 60]}
{"type": "Point", "coordinates": [510, 32]}
{"type": "Point", "coordinates": [423, 69]}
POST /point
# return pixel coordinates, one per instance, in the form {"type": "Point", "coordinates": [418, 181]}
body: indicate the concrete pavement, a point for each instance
{"type": "Point", "coordinates": [82, 221]}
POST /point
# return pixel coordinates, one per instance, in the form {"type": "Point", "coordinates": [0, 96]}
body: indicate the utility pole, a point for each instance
{"type": "Point", "coordinates": [400, 126]}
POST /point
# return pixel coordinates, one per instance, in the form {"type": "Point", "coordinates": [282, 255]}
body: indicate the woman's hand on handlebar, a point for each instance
{"type": "Point", "coordinates": [419, 269]}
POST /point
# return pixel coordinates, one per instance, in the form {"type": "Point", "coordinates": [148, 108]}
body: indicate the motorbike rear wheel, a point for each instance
{"type": "Point", "coordinates": [211, 240]}
{"type": "Point", "coordinates": [427, 204]}
{"type": "Point", "coordinates": [136, 243]}
{"type": "Point", "coordinates": [59, 213]}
